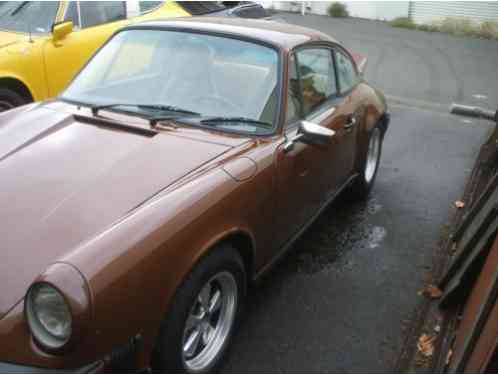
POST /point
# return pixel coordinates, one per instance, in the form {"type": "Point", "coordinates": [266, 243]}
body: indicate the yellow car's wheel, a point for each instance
{"type": "Point", "coordinates": [10, 99]}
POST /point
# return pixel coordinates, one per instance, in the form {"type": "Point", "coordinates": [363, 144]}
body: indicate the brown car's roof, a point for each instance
{"type": "Point", "coordinates": [280, 34]}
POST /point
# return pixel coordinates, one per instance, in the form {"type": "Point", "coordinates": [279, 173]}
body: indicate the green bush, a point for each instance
{"type": "Point", "coordinates": [337, 10]}
{"type": "Point", "coordinates": [452, 25]}
{"type": "Point", "coordinates": [429, 28]}
{"type": "Point", "coordinates": [458, 26]}
{"type": "Point", "coordinates": [489, 30]}
{"type": "Point", "coordinates": [403, 22]}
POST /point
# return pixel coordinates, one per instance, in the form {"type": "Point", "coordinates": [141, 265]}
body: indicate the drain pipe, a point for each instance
{"type": "Point", "coordinates": [466, 110]}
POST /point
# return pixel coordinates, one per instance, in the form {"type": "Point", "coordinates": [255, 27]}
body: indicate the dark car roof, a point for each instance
{"type": "Point", "coordinates": [276, 33]}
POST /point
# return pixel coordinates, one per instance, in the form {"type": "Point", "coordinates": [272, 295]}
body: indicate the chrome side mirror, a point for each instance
{"type": "Point", "coordinates": [311, 134]}
{"type": "Point", "coordinates": [314, 134]}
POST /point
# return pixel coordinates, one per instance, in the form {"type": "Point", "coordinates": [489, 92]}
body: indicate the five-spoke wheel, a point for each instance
{"type": "Point", "coordinates": [369, 165]}
{"type": "Point", "coordinates": [197, 329]}
{"type": "Point", "coordinates": [209, 321]}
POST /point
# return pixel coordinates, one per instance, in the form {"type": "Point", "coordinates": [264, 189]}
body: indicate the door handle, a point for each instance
{"type": "Point", "coordinates": [350, 124]}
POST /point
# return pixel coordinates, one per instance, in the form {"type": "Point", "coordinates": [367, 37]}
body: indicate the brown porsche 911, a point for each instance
{"type": "Point", "coordinates": [176, 168]}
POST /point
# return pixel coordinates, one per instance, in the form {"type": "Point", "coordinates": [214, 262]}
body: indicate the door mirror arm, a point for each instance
{"type": "Point", "coordinates": [290, 142]}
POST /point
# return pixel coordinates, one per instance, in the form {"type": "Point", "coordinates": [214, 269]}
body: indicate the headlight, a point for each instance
{"type": "Point", "coordinates": [48, 315]}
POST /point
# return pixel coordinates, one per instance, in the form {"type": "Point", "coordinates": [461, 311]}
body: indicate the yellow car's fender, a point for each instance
{"type": "Point", "coordinates": [22, 68]}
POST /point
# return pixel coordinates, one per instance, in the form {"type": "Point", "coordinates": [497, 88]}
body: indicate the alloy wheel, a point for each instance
{"type": "Point", "coordinates": [209, 322]}
{"type": "Point", "coordinates": [373, 155]}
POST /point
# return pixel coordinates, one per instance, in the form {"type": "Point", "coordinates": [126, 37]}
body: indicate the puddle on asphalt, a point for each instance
{"type": "Point", "coordinates": [376, 237]}
{"type": "Point", "coordinates": [341, 228]}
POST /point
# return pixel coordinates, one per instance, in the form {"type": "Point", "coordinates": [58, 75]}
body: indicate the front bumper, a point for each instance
{"type": "Point", "coordinates": [10, 368]}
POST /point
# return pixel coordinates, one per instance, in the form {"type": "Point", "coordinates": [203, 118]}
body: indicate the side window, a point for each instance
{"type": "Point", "coordinates": [293, 97]}
{"type": "Point", "coordinates": [316, 71]}
{"type": "Point", "coordinates": [146, 6]}
{"type": "Point", "coordinates": [94, 13]}
{"type": "Point", "coordinates": [345, 72]}
{"type": "Point", "coordinates": [72, 14]}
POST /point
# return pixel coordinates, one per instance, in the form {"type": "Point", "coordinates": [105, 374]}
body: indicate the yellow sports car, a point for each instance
{"type": "Point", "coordinates": [44, 44]}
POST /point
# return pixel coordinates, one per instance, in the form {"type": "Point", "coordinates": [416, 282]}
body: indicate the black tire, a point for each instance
{"type": "Point", "coordinates": [10, 99]}
{"type": "Point", "coordinates": [361, 187]}
{"type": "Point", "coordinates": [168, 356]}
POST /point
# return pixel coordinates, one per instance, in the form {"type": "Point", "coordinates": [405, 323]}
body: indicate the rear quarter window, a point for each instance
{"type": "Point", "coordinates": [346, 72]}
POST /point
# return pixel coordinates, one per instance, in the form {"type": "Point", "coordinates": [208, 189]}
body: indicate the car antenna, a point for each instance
{"type": "Point", "coordinates": [30, 37]}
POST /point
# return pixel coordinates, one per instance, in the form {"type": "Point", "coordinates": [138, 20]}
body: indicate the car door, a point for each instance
{"type": "Point", "coordinates": [325, 104]}
{"type": "Point", "coordinates": [348, 115]}
{"type": "Point", "coordinates": [301, 168]}
{"type": "Point", "coordinates": [94, 22]}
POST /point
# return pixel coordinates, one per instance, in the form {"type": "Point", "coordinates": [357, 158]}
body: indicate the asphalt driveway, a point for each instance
{"type": "Point", "coordinates": [342, 299]}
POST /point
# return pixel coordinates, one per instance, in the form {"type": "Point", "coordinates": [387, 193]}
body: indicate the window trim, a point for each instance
{"type": "Point", "coordinates": [66, 10]}
{"type": "Point", "coordinates": [78, 9]}
{"type": "Point", "coordinates": [330, 99]}
{"type": "Point", "coordinates": [347, 55]}
{"type": "Point", "coordinates": [300, 93]}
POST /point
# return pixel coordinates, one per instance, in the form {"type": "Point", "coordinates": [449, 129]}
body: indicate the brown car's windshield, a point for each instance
{"type": "Point", "coordinates": [214, 76]}
{"type": "Point", "coordinates": [28, 16]}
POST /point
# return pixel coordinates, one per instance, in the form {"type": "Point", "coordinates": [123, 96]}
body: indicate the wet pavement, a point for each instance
{"type": "Point", "coordinates": [342, 299]}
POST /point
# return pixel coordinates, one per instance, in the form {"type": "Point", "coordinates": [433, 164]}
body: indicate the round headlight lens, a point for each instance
{"type": "Point", "coordinates": [49, 316]}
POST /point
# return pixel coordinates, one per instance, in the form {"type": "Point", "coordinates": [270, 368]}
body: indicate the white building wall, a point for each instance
{"type": "Point", "coordinates": [378, 10]}
{"type": "Point", "coordinates": [420, 11]}
{"type": "Point", "coordinates": [430, 11]}
{"type": "Point", "coordinates": [381, 10]}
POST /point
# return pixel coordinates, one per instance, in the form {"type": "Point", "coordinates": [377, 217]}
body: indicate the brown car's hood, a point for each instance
{"type": "Point", "coordinates": [63, 181]}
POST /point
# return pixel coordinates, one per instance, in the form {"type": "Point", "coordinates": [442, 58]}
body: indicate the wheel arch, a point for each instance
{"type": "Point", "coordinates": [242, 241]}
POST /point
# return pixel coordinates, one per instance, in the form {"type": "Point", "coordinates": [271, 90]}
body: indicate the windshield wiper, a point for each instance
{"type": "Point", "coordinates": [19, 8]}
{"type": "Point", "coordinates": [221, 120]}
{"type": "Point", "coordinates": [156, 107]}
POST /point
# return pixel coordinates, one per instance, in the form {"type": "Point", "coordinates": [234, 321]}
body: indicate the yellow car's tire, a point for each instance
{"type": "Point", "coordinates": [10, 99]}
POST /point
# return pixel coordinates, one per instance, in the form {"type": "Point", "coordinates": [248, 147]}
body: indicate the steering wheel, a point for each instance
{"type": "Point", "coordinates": [220, 100]}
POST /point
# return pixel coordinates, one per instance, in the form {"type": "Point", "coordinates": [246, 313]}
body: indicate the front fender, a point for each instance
{"type": "Point", "coordinates": [24, 63]}
{"type": "Point", "coordinates": [135, 267]}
